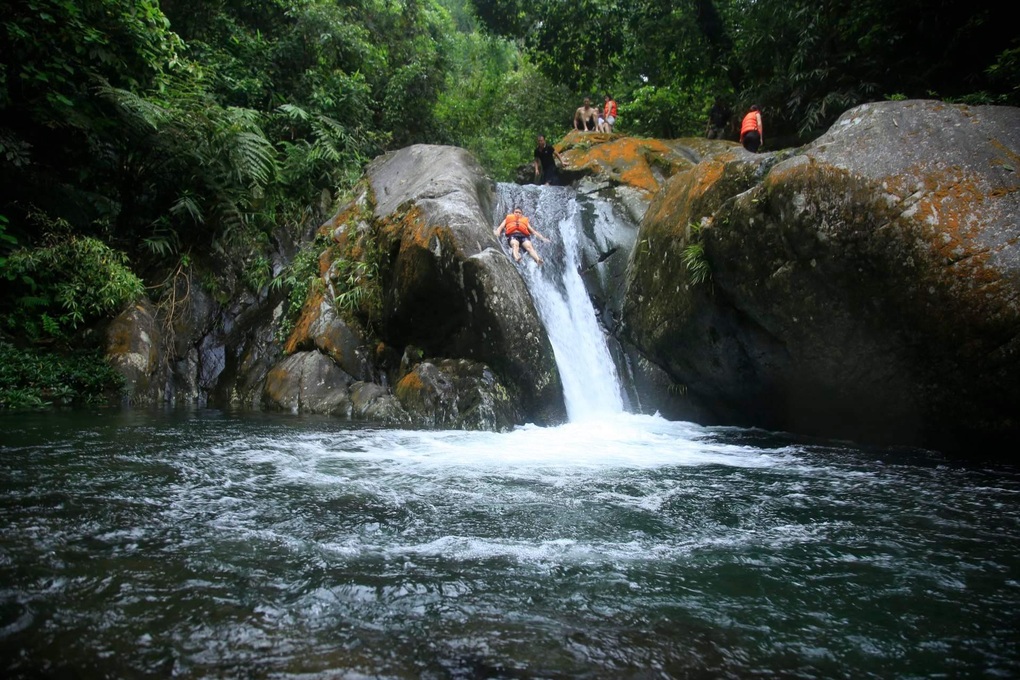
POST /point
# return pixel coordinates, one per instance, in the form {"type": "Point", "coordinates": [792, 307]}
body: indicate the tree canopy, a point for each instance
{"type": "Point", "coordinates": [138, 135]}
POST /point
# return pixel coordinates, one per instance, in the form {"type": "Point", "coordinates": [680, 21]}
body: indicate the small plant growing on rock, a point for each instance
{"type": "Point", "coordinates": [694, 258]}
{"type": "Point", "coordinates": [297, 281]}
{"type": "Point", "coordinates": [356, 285]}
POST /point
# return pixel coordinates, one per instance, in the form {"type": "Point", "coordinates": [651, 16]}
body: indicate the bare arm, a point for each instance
{"type": "Point", "coordinates": [502, 225]}
{"type": "Point", "coordinates": [535, 232]}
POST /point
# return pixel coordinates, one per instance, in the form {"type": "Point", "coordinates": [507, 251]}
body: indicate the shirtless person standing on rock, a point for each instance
{"type": "Point", "coordinates": [586, 117]}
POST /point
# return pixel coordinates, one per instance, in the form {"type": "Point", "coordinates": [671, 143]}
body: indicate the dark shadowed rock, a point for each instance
{"type": "Point", "coordinates": [412, 265]}
{"type": "Point", "coordinates": [371, 401]}
{"type": "Point", "coordinates": [864, 286]}
{"type": "Point", "coordinates": [133, 342]}
{"type": "Point", "coordinates": [310, 382]}
{"type": "Point", "coordinates": [458, 394]}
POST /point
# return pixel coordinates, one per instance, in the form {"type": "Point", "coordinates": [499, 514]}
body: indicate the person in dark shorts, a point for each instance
{"type": "Point", "coordinates": [518, 234]}
{"type": "Point", "coordinates": [545, 162]}
{"type": "Point", "coordinates": [585, 117]}
{"type": "Point", "coordinates": [752, 135]}
{"type": "Point", "coordinates": [718, 120]}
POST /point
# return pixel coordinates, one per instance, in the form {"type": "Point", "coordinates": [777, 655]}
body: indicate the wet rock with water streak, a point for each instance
{"type": "Point", "coordinates": [450, 291]}
{"type": "Point", "coordinates": [417, 242]}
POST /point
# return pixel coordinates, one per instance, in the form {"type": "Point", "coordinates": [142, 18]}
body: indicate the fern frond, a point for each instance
{"type": "Point", "coordinates": [137, 111]}
{"type": "Point", "coordinates": [186, 204]}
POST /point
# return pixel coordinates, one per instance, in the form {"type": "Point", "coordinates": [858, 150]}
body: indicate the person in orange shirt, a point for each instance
{"type": "Point", "coordinates": [518, 234]}
{"type": "Point", "coordinates": [609, 113]}
{"type": "Point", "coordinates": [751, 134]}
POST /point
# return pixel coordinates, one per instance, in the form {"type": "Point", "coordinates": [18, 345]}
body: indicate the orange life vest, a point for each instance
{"type": "Point", "coordinates": [610, 109]}
{"type": "Point", "coordinates": [517, 223]}
{"type": "Point", "coordinates": [749, 123]}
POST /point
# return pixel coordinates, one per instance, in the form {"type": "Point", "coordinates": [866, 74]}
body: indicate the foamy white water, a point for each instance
{"type": "Point", "coordinates": [268, 545]}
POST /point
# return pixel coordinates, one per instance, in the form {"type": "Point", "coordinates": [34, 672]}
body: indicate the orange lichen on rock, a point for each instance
{"type": "Point", "coordinates": [707, 176]}
{"type": "Point", "coordinates": [691, 195]}
{"type": "Point", "coordinates": [326, 258]}
{"type": "Point", "coordinates": [310, 312]}
{"type": "Point", "coordinates": [625, 160]}
{"type": "Point", "coordinates": [122, 331]}
{"type": "Point", "coordinates": [949, 202]}
{"type": "Point", "coordinates": [348, 214]}
{"type": "Point", "coordinates": [409, 385]}
{"type": "Point", "coordinates": [408, 227]}
{"type": "Point", "coordinates": [1011, 158]}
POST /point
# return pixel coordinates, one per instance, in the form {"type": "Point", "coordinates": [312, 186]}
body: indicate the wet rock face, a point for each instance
{"type": "Point", "coordinates": [133, 342]}
{"type": "Point", "coordinates": [451, 292]}
{"type": "Point", "coordinates": [481, 357]}
{"type": "Point", "coordinates": [863, 286]}
{"type": "Point", "coordinates": [309, 382]}
{"type": "Point", "coordinates": [417, 243]}
{"type": "Point", "coordinates": [458, 394]}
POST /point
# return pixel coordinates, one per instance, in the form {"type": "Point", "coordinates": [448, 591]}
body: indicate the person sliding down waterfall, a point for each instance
{"type": "Point", "coordinates": [518, 234]}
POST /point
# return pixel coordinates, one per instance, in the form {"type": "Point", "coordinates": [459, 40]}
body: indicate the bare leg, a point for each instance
{"type": "Point", "coordinates": [531, 251]}
{"type": "Point", "coordinates": [515, 246]}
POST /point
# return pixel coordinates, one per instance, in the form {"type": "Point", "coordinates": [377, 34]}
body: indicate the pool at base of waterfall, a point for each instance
{"type": "Point", "coordinates": [211, 544]}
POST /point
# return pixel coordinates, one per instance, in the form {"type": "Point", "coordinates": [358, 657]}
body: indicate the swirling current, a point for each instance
{"type": "Point", "coordinates": [210, 544]}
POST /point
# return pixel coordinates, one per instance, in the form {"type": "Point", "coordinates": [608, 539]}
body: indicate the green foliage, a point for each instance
{"type": "Point", "coordinates": [807, 61]}
{"type": "Point", "coordinates": [325, 152]}
{"type": "Point", "coordinates": [695, 261]}
{"type": "Point", "coordinates": [496, 102]}
{"type": "Point", "coordinates": [1005, 74]}
{"type": "Point", "coordinates": [30, 379]}
{"type": "Point", "coordinates": [69, 281]}
{"type": "Point", "coordinates": [666, 111]}
{"type": "Point", "coordinates": [697, 265]}
{"type": "Point", "coordinates": [221, 158]}
{"type": "Point", "coordinates": [57, 136]}
{"type": "Point", "coordinates": [297, 280]}
{"type": "Point", "coordinates": [258, 274]}
{"type": "Point", "coordinates": [7, 242]}
{"type": "Point", "coordinates": [357, 288]}
{"type": "Point", "coordinates": [803, 61]}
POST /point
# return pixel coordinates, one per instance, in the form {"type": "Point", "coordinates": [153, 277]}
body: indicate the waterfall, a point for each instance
{"type": "Point", "coordinates": [591, 387]}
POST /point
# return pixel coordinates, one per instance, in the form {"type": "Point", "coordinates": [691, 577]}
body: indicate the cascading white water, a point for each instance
{"type": "Point", "coordinates": [591, 387]}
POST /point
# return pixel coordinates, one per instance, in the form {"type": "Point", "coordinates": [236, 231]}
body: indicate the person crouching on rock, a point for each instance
{"type": "Point", "coordinates": [518, 234]}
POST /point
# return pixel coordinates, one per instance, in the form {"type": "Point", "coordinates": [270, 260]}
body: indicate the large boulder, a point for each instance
{"type": "Point", "coordinates": [413, 265]}
{"type": "Point", "coordinates": [450, 291]}
{"type": "Point", "coordinates": [458, 394]}
{"type": "Point", "coordinates": [309, 382]}
{"type": "Point", "coordinates": [863, 286]}
{"type": "Point", "coordinates": [630, 171]}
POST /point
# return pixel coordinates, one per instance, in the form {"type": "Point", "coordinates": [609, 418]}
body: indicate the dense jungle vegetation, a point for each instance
{"type": "Point", "coordinates": [138, 137]}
